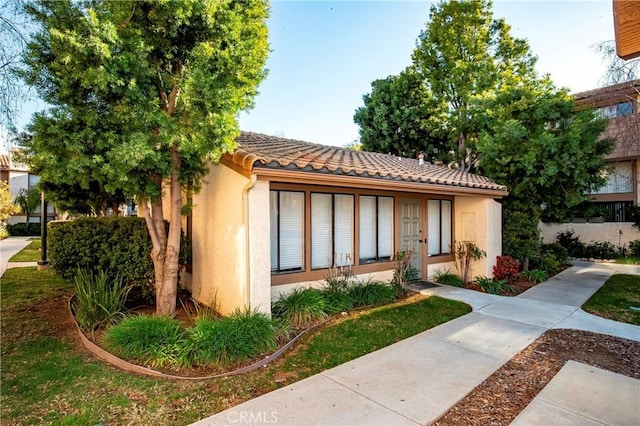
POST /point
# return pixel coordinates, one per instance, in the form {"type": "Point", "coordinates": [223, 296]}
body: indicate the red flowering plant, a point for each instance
{"type": "Point", "coordinates": [506, 268]}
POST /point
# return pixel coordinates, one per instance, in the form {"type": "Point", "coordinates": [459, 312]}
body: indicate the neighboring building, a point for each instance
{"type": "Point", "coordinates": [18, 177]}
{"type": "Point", "coordinates": [279, 213]}
{"type": "Point", "coordinates": [619, 103]}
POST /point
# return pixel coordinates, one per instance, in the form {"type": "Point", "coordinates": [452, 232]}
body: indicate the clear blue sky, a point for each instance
{"type": "Point", "coordinates": [326, 54]}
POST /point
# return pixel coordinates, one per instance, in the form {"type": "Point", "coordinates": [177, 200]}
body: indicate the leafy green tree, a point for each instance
{"type": "Point", "coordinates": [143, 94]}
{"type": "Point", "coordinates": [464, 54]}
{"type": "Point", "coordinates": [396, 118]}
{"type": "Point", "coordinates": [28, 200]}
{"type": "Point", "coordinates": [7, 207]}
{"type": "Point", "coordinates": [546, 153]}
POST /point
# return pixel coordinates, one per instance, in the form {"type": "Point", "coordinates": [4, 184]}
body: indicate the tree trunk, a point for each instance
{"type": "Point", "coordinates": [167, 292]}
{"type": "Point", "coordinates": [166, 247]}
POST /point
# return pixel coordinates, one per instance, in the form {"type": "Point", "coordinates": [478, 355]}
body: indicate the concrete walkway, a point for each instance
{"type": "Point", "coordinates": [417, 380]}
{"type": "Point", "coordinates": [9, 247]}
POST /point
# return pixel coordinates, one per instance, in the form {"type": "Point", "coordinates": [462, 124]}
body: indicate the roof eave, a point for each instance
{"type": "Point", "coordinates": [301, 177]}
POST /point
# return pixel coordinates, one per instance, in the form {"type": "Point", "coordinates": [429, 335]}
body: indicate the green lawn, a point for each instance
{"type": "Point", "coordinates": [30, 253]}
{"type": "Point", "coordinates": [48, 378]}
{"type": "Point", "coordinates": [616, 299]}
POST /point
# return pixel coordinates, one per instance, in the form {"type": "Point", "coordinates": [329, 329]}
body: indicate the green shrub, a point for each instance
{"type": "Point", "coordinates": [336, 301]}
{"type": "Point", "coordinates": [117, 245]}
{"type": "Point", "coordinates": [234, 338]}
{"type": "Point", "coordinates": [634, 248]}
{"type": "Point", "coordinates": [535, 275]}
{"type": "Point", "coordinates": [574, 246]}
{"type": "Point", "coordinates": [372, 293]}
{"type": "Point", "coordinates": [300, 307]}
{"type": "Point", "coordinates": [561, 254]}
{"type": "Point", "coordinates": [22, 230]}
{"type": "Point", "coordinates": [601, 250]}
{"type": "Point", "coordinates": [99, 300]}
{"type": "Point", "coordinates": [447, 277]}
{"type": "Point", "coordinates": [493, 286]}
{"type": "Point", "coordinates": [155, 341]}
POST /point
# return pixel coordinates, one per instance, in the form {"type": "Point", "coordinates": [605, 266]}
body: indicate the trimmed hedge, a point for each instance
{"type": "Point", "coordinates": [21, 229]}
{"type": "Point", "coordinates": [119, 246]}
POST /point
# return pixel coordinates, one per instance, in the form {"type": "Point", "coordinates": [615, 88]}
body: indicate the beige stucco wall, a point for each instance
{"type": "Point", "coordinates": [219, 240]}
{"type": "Point", "coordinates": [617, 234]}
{"type": "Point", "coordinates": [434, 268]}
{"type": "Point", "coordinates": [479, 220]}
{"type": "Point", "coordinates": [258, 241]}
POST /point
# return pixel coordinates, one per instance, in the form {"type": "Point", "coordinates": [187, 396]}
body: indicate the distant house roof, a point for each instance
{"type": "Point", "coordinates": [609, 95]}
{"type": "Point", "coordinates": [5, 163]}
{"type": "Point", "coordinates": [258, 152]}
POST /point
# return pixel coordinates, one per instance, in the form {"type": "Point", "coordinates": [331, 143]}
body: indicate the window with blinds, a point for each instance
{"type": "Point", "coordinates": [439, 240]}
{"type": "Point", "coordinates": [376, 228]}
{"type": "Point", "coordinates": [287, 230]}
{"type": "Point", "coordinates": [332, 222]}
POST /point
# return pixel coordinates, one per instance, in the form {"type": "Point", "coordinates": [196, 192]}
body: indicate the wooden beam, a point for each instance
{"type": "Point", "coordinates": [626, 21]}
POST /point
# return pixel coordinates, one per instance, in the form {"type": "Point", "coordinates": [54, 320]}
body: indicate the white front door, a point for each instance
{"type": "Point", "coordinates": [411, 230]}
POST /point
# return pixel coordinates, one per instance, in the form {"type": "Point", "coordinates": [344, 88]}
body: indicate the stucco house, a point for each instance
{"type": "Point", "coordinates": [19, 177]}
{"type": "Point", "coordinates": [278, 213]}
{"type": "Point", "coordinates": [619, 103]}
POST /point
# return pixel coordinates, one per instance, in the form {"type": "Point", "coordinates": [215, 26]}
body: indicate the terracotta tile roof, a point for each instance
{"type": "Point", "coordinates": [261, 151]}
{"type": "Point", "coordinates": [4, 162]}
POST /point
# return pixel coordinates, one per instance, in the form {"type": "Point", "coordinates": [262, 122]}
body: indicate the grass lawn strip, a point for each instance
{"type": "Point", "coordinates": [30, 253]}
{"type": "Point", "coordinates": [616, 299]}
{"type": "Point", "coordinates": [47, 376]}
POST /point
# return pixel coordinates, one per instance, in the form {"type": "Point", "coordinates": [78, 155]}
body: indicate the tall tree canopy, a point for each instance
{"type": "Point", "coordinates": [143, 93]}
{"type": "Point", "coordinates": [546, 153]}
{"type": "Point", "coordinates": [498, 115]}
{"type": "Point", "coordinates": [397, 118]}
{"type": "Point", "coordinates": [464, 54]}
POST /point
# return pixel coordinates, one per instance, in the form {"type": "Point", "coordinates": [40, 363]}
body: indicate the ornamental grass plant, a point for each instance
{"type": "Point", "coordinates": [301, 307]}
{"type": "Point", "coordinates": [234, 338]}
{"type": "Point", "coordinates": [99, 299]}
{"type": "Point", "coordinates": [153, 340]}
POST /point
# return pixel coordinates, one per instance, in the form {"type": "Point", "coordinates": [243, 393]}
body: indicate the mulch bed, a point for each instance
{"type": "Point", "coordinates": [504, 394]}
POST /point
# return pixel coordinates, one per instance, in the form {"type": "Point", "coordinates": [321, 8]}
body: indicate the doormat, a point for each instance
{"type": "Point", "coordinates": [422, 285]}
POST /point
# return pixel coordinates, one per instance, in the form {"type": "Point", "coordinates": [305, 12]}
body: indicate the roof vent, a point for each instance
{"type": "Point", "coordinates": [421, 159]}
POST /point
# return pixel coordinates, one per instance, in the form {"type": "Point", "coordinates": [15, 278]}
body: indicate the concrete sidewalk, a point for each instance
{"type": "Point", "coordinates": [9, 247]}
{"type": "Point", "coordinates": [417, 380]}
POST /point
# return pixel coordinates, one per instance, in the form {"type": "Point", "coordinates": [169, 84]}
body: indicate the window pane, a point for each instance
{"type": "Point", "coordinates": [291, 230]}
{"type": "Point", "coordinates": [445, 241]}
{"type": "Point", "coordinates": [433, 227]}
{"type": "Point", "coordinates": [344, 229]}
{"type": "Point", "coordinates": [385, 227]}
{"type": "Point", "coordinates": [367, 223]}
{"type": "Point", "coordinates": [321, 231]}
{"type": "Point", "coordinates": [273, 219]}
